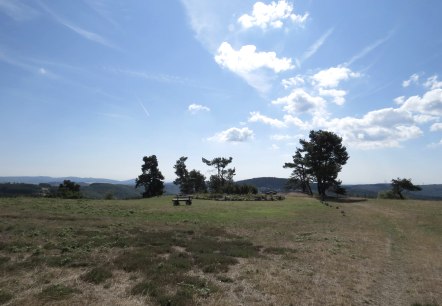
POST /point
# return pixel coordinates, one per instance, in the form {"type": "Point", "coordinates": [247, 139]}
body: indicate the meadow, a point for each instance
{"type": "Point", "coordinates": [292, 252]}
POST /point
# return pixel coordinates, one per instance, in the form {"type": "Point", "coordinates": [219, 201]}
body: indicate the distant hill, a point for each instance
{"type": "Point", "coordinates": [429, 192]}
{"type": "Point", "coordinates": [266, 183]}
{"type": "Point", "coordinates": [99, 188]}
{"type": "Point", "coordinates": [58, 180]}
{"type": "Point", "coordinates": [44, 185]}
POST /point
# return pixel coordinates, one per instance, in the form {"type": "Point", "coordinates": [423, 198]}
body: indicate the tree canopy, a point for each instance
{"type": "Point", "coordinates": [69, 190]}
{"type": "Point", "coordinates": [151, 178]}
{"type": "Point", "coordinates": [398, 186]}
{"type": "Point", "coordinates": [189, 182]}
{"type": "Point", "coordinates": [224, 177]}
{"type": "Point", "coordinates": [319, 160]}
{"type": "Point", "coordinates": [182, 175]}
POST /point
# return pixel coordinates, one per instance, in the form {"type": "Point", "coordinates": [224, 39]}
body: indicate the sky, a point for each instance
{"type": "Point", "coordinates": [87, 88]}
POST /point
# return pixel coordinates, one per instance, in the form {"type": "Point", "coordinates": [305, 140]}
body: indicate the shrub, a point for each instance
{"type": "Point", "coordinates": [388, 194]}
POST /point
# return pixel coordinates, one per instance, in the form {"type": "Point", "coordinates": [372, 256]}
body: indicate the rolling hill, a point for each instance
{"type": "Point", "coordinates": [99, 188]}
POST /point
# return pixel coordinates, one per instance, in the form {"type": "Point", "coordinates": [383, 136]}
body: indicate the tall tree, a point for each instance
{"type": "Point", "coordinates": [399, 185]}
{"type": "Point", "coordinates": [319, 159]}
{"type": "Point", "coordinates": [324, 156]}
{"type": "Point", "coordinates": [183, 179]}
{"type": "Point", "coordinates": [300, 176]}
{"type": "Point", "coordinates": [197, 182]}
{"type": "Point", "coordinates": [219, 181]}
{"type": "Point", "coordinates": [151, 177]}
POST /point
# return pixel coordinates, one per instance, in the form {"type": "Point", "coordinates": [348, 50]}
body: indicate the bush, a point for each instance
{"type": "Point", "coordinates": [387, 194]}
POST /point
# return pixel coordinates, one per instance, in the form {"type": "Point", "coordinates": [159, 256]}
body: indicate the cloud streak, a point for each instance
{"type": "Point", "coordinates": [89, 35]}
{"type": "Point", "coordinates": [368, 49]}
{"type": "Point", "coordinates": [317, 45]}
{"type": "Point", "coordinates": [17, 10]}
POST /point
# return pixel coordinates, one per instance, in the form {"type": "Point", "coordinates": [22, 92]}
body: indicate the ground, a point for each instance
{"type": "Point", "coordinates": [298, 251]}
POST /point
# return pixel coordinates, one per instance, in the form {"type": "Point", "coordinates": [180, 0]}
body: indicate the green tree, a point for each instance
{"type": "Point", "coordinates": [69, 190]}
{"type": "Point", "coordinates": [224, 176]}
{"type": "Point", "coordinates": [320, 159]}
{"type": "Point", "coordinates": [151, 178]}
{"type": "Point", "coordinates": [197, 182]}
{"type": "Point", "coordinates": [338, 189]}
{"type": "Point", "coordinates": [183, 179]}
{"type": "Point", "coordinates": [300, 176]}
{"type": "Point", "coordinates": [400, 185]}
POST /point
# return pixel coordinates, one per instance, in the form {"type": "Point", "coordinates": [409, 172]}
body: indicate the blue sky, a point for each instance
{"type": "Point", "coordinates": [87, 88]}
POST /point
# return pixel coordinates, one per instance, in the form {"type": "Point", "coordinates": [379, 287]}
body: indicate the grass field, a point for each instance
{"type": "Point", "coordinates": [294, 252]}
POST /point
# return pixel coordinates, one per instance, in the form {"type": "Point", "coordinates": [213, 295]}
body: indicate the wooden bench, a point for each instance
{"type": "Point", "coordinates": [181, 198]}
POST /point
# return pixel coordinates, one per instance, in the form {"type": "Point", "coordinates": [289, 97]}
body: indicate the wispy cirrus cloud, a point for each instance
{"type": "Point", "coordinates": [368, 49]}
{"type": "Point", "coordinates": [26, 65]}
{"type": "Point", "coordinates": [17, 10]}
{"type": "Point", "coordinates": [87, 34]}
{"type": "Point", "coordinates": [316, 45]}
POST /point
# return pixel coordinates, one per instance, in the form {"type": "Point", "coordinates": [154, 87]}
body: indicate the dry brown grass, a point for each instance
{"type": "Point", "coordinates": [380, 253]}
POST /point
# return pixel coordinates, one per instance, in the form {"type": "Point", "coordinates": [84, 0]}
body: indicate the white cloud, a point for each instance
{"type": "Point", "coordinates": [257, 117]}
{"type": "Point", "coordinates": [399, 100]}
{"type": "Point", "coordinates": [429, 104]}
{"type": "Point", "coordinates": [299, 101]}
{"type": "Point", "coordinates": [247, 59]}
{"type": "Point", "coordinates": [233, 135]}
{"type": "Point", "coordinates": [414, 79]}
{"type": "Point", "coordinates": [195, 108]}
{"type": "Point", "coordinates": [275, 147]}
{"type": "Point", "coordinates": [433, 83]}
{"type": "Point", "coordinates": [291, 120]}
{"type": "Point", "coordinates": [293, 82]}
{"type": "Point", "coordinates": [382, 128]}
{"type": "Point", "coordinates": [422, 119]}
{"type": "Point", "coordinates": [331, 77]}
{"type": "Point", "coordinates": [435, 127]}
{"type": "Point", "coordinates": [337, 95]}
{"type": "Point", "coordinates": [271, 15]}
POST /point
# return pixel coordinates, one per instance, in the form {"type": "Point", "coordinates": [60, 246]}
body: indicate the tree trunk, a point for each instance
{"type": "Point", "coordinates": [309, 189]}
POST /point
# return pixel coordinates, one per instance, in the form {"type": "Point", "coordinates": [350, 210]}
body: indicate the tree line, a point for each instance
{"type": "Point", "coordinates": [191, 182]}
{"type": "Point", "coordinates": [318, 160]}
